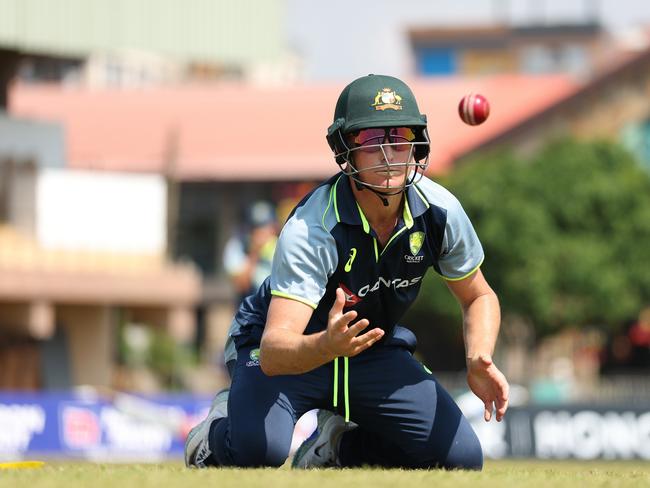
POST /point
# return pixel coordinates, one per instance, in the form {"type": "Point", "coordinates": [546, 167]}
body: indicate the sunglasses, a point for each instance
{"type": "Point", "coordinates": [369, 140]}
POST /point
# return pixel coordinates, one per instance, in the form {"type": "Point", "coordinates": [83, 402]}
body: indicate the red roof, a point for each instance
{"type": "Point", "coordinates": [231, 131]}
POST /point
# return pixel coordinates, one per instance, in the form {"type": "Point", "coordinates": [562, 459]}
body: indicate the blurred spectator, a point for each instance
{"type": "Point", "coordinates": [639, 337]}
{"type": "Point", "coordinates": [617, 353]}
{"type": "Point", "coordinates": [248, 255]}
{"type": "Point", "coordinates": [629, 350]}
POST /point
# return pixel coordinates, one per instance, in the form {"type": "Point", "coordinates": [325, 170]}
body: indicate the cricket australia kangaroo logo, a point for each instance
{"type": "Point", "coordinates": [387, 99]}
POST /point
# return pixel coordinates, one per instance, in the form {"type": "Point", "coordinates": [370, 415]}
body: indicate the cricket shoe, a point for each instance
{"type": "Point", "coordinates": [321, 449]}
{"type": "Point", "coordinates": [197, 445]}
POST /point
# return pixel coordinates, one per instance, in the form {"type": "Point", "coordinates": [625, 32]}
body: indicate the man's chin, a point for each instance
{"type": "Point", "coordinates": [387, 190]}
{"type": "Point", "coordinates": [390, 184]}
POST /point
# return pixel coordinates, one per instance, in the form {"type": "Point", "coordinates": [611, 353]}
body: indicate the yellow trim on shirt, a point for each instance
{"type": "Point", "coordinates": [293, 297]}
{"type": "Point", "coordinates": [364, 221]}
{"type": "Point", "coordinates": [465, 276]}
{"type": "Point", "coordinates": [407, 215]}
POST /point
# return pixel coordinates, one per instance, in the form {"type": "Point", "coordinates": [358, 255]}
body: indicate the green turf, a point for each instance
{"type": "Point", "coordinates": [500, 474]}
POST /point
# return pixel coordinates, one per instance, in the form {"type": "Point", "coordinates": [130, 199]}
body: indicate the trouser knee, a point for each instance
{"type": "Point", "coordinates": [466, 454]}
{"type": "Point", "coordinates": [462, 451]}
{"type": "Point", "coordinates": [260, 453]}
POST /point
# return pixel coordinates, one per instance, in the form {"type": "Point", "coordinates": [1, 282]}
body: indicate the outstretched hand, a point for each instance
{"type": "Point", "coordinates": [342, 338]}
{"type": "Point", "coordinates": [489, 384]}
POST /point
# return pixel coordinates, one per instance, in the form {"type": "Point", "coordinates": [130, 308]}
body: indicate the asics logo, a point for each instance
{"type": "Point", "coordinates": [317, 449]}
{"type": "Point", "coordinates": [202, 455]}
{"type": "Point", "coordinates": [353, 254]}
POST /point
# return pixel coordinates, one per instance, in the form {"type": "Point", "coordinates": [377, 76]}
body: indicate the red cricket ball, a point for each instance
{"type": "Point", "coordinates": [474, 109]}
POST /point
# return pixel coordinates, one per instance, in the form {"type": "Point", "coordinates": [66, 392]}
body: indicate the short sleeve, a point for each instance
{"type": "Point", "coordinates": [461, 252]}
{"type": "Point", "coordinates": [305, 258]}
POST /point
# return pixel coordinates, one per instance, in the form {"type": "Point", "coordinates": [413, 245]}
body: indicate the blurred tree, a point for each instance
{"type": "Point", "coordinates": [145, 347]}
{"type": "Point", "coordinates": [565, 234]}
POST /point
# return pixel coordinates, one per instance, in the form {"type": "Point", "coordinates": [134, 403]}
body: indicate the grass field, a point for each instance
{"type": "Point", "coordinates": [502, 474]}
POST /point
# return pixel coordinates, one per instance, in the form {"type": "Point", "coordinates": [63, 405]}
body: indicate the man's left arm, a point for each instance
{"type": "Point", "coordinates": [481, 320]}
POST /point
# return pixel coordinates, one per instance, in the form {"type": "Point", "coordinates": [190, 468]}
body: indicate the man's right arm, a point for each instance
{"type": "Point", "coordinates": [286, 350]}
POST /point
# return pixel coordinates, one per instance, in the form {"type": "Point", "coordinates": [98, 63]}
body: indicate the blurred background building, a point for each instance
{"type": "Point", "coordinates": [135, 134]}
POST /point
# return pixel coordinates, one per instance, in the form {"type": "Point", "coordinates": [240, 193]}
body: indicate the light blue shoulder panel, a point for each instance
{"type": "Point", "coordinates": [306, 255]}
{"type": "Point", "coordinates": [461, 251]}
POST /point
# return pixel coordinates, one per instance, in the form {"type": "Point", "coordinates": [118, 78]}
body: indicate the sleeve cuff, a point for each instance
{"type": "Point", "coordinates": [474, 270]}
{"type": "Point", "coordinates": [276, 293]}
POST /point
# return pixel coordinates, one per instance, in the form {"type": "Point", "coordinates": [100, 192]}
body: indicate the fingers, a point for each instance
{"type": "Point", "coordinates": [487, 415]}
{"type": "Point", "coordinates": [498, 399]}
{"type": "Point", "coordinates": [343, 335]}
{"type": "Point", "coordinates": [357, 327]}
{"type": "Point", "coordinates": [363, 342]}
{"type": "Point", "coordinates": [341, 324]}
{"type": "Point", "coordinates": [502, 400]}
{"type": "Point", "coordinates": [339, 302]}
{"type": "Point", "coordinates": [337, 318]}
{"type": "Point", "coordinates": [491, 386]}
{"type": "Point", "coordinates": [502, 392]}
{"type": "Point", "coordinates": [502, 406]}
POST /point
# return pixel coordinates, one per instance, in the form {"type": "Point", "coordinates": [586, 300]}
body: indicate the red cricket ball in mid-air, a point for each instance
{"type": "Point", "coordinates": [474, 109]}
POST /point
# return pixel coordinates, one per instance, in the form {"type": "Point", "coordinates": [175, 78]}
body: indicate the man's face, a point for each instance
{"type": "Point", "coordinates": [381, 155]}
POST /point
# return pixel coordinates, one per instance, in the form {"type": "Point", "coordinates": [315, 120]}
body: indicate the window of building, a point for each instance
{"type": "Point", "coordinates": [433, 61]}
{"type": "Point", "coordinates": [538, 59]}
{"type": "Point", "coordinates": [196, 228]}
{"type": "Point", "coordinates": [574, 59]}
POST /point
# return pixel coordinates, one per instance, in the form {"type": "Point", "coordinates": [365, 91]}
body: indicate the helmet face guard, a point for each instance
{"type": "Point", "coordinates": [379, 114]}
{"type": "Point", "coordinates": [409, 156]}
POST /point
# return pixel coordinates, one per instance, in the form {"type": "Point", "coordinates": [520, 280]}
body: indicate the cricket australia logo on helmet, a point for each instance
{"type": "Point", "coordinates": [387, 99]}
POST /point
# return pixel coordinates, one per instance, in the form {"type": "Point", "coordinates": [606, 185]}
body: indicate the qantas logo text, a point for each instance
{"type": "Point", "coordinates": [396, 283]}
{"type": "Point", "coordinates": [352, 299]}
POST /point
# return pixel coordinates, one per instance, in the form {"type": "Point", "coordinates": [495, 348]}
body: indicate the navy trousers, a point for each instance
{"type": "Point", "coordinates": [405, 418]}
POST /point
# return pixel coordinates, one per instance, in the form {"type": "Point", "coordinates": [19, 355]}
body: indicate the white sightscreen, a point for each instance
{"type": "Point", "coordinates": [92, 211]}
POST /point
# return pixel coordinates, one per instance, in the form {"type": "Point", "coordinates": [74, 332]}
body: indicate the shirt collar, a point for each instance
{"type": "Point", "coordinates": [348, 211]}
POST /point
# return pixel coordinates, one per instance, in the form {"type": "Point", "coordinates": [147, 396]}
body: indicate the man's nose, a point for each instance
{"type": "Point", "coordinates": [389, 151]}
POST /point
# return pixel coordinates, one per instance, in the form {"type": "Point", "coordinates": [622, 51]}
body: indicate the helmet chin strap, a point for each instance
{"type": "Point", "coordinates": [360, 186]}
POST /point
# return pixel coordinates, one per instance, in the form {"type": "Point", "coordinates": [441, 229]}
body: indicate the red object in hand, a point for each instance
{"type": "Point", "coordinates": [474, 109]}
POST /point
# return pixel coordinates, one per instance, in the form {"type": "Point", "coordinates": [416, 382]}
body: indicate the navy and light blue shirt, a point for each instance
{"type": "Point", "coordinates": [328, 243]}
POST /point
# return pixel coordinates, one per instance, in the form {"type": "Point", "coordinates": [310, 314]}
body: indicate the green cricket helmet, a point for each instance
{"type": "Point", "coordinates": [379, 102]}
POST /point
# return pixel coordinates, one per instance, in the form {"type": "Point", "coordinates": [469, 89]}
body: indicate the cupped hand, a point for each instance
{"type": "Point", "coordinates": [489, 384]}
{"type": "Point", "coordinates": [342, 335]}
